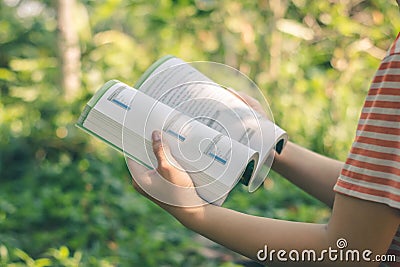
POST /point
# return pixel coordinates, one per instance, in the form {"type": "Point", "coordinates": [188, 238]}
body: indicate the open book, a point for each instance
{"type": "Point", "coordinates": [212, 133]}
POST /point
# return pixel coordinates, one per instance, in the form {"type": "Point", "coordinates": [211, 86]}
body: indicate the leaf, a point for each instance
{"type": "Point", "coordinates": [3, 253]}
{"type": "Point", "coordinates": [43, 262]}
{"type": "Point", "coordinates": [24, 256]}
{"type": "Point", "coordinates": [64, 252]}
{"type": "Point", "coordinates": [295, 28]}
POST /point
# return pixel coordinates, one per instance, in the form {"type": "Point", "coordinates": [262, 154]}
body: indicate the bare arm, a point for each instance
{"type": "Point", "coordinates": [312, 172]}
{"type": "Point", "coordinates": [352, 219]}
{"type": "Point", "coordinates": [248, 234]}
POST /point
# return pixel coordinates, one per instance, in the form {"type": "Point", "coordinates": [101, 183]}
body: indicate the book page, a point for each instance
{"type": "Point", "coordinates": [215, 161]}
{"type": "Point", "coordinates": [181, 86]}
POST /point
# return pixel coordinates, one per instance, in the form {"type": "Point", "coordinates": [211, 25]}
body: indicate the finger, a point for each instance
{"type": "Point", "coordinates": [232, 91]}
{"type": "Point", "coordinates": [135, 168]}
{"type": "Point", "coordinates": [139, 175]}
{"type": "Point", "coordinates": [246, 98]}
{"type": "Point", "coordinates": [242, 96]}
{"type": "Point", "coordinates": [161, 150]}
{"type": "Point", "coordinates": [253, 103]}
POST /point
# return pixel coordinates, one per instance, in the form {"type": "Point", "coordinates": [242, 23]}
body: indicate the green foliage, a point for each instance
{"type": "Point", "coordinates": [66, 198]}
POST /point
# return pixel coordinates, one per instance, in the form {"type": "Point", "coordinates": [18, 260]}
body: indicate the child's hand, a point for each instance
{"type": "Point", "coordinates": [253, 103]}
{"type": "Point", "coordinates": [168, 186]}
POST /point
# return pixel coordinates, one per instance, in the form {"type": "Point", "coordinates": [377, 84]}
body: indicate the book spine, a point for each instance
{"type": "Point", "coordinates": [84, 115]}
{"type": "Point", "coordinates": [93, 101]}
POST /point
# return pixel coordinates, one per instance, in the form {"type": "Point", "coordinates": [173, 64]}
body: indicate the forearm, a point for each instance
{"type": "Point", "coordinates": [248, 234]}
{"type": "Point", "coordinates": [314, 173]}
{"type": "Point", "coordinates": [354, 219]}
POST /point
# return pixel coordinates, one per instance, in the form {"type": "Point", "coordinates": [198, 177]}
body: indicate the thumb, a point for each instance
{"type": "Point", "coordinates": [162, 153]}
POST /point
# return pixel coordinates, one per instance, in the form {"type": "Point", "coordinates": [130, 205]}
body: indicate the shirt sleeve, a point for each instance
{"type": "Point", "coordinates": [372, 168]}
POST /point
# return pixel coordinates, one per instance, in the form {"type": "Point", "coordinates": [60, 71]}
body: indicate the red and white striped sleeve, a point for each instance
{"type": "Point", "coordinates": [372, 169]}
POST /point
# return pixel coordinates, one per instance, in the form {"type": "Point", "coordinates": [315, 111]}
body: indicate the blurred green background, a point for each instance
{"type": "Point", "coordinates": [66, 199]}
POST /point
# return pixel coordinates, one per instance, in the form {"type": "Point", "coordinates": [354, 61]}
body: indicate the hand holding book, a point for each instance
{"type": "Point", "coordinates": [142, 177]}
{"type": "Point", "coordinates": [212, 134]}
{"type": "Point", "coordinates": [175, 185]}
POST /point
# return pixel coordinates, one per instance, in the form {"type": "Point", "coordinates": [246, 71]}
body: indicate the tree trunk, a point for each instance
{"type": "Point", "coordinates": [69, 50]}
{"type": "Point", "coordinates": [278, 9]}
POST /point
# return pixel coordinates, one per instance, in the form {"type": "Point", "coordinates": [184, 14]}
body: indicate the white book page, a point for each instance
{"type": "Point", "coordinates": [179, 85]}
{"type": "Point", "coordinates": [196, 147]}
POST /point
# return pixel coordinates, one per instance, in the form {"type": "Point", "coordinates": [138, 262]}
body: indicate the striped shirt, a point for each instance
{"type": "Point", "coordinates": [372, 169]}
